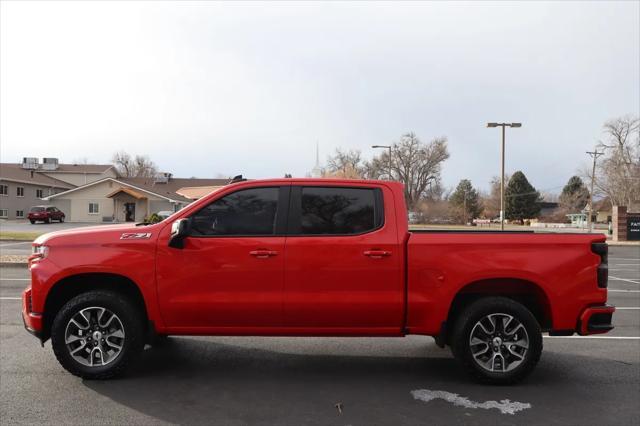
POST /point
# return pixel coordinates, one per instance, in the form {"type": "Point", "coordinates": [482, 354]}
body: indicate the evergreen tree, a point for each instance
{"type": "Point", "coordinates": [522, 201]}
{"type": "Point", "coordinates": [465, 201]}
{"type": "Point", "coordinates": [575, 195]}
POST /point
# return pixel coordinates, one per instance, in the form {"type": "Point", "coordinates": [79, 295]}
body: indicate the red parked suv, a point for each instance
{"type": "Point", "coordinates": [45, 214]}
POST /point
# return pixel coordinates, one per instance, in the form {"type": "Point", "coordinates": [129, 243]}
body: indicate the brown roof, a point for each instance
{"type": "Point", "coordinates": [80, 168]}
{"type": "Point", "coordinates": [135, 194]}
{"type": "Point", "coordinates": [197, 192]}
{"type": "Point", "coordinates": [15, 172]}
{"type": "Point", "coordinates": [170, 188]}
{"type": "Point", "coordinates": [166, 190]}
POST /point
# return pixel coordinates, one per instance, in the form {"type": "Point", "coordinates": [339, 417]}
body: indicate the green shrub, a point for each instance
{"type": "Point", "coordinates": [152, 218]}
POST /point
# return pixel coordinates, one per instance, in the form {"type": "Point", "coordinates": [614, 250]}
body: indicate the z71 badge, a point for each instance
{"type": "Point", "coordinates": [135, 235]}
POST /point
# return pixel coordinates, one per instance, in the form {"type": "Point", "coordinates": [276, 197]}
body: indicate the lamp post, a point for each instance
{"type": "Point", "coordinates": [503, 125]}
{"type": "Point", "coordinates": [389, 148]}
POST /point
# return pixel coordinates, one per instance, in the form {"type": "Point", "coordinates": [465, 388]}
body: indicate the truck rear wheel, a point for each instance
{"type": "Point", "coordinates": [96, 335]}
{"type": "Point", "coordinates": [497, 340]}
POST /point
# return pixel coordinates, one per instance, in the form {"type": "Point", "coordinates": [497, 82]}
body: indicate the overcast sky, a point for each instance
{"type": "Point", "coordinates": [218, 88]}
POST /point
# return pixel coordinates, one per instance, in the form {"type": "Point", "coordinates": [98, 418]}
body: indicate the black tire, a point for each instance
{"type": "Point", "coordinates": [130, 319]}
{"type": "Point", "coordinates": [462, 334]}
{"type": "Point", "coordinates": [33, 222]}
{"type": "Point", "coordinates": [61, 219]}
{"type": "Point", "coordinates": [47, 220]}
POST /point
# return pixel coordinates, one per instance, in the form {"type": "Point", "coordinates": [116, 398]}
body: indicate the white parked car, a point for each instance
{"type": "Point", "coordinates": [164, 214]}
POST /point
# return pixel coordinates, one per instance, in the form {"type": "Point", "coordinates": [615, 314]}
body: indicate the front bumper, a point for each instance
{"type": "Point", "coordinates": [32, 320]}
{"type": "Point", "coordinates": [596, 320]}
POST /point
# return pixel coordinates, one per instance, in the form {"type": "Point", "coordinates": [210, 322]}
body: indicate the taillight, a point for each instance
{"type": "Point", "coordinates": [602, 250]}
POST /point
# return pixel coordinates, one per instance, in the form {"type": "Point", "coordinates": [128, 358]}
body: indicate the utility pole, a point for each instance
{"type": "Point", "coordinates": [503, 125]}
{"type": "Point", "coordinates": [464, 206]}
{"type": "Point", "coordinates": [595, 154]}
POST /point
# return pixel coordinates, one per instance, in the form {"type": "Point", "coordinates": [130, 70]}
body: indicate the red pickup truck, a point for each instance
{"type": "Point", "coordinates": [312, 257]}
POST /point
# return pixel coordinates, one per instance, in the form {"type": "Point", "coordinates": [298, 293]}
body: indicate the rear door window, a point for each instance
{"type": "Point", "coordinates": [338, 211]}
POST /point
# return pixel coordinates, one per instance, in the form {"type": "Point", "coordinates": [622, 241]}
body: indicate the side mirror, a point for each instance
{"type": "Point", "coordinates": [179, 231]}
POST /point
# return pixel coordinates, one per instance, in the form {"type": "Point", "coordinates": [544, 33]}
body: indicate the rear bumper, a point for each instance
{"type": "Point", "coordinates": [32, 320]}
{"type": "Point", "coordinates": [596, 320]}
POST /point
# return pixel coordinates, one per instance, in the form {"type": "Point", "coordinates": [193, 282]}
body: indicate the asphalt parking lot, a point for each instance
{"type": "Point", "coordinates": [296, 381]}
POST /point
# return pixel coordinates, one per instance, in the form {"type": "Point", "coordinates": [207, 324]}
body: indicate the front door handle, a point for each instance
{"type": "Point", "coordinates": [263, 254]}
{"type": "Point", "coordinates": [377, 254]}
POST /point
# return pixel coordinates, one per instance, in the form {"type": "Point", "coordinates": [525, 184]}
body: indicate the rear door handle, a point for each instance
{"type": "Point", "coordinates": [377, 254]}
{"type": "Point", "coordinates": [263, 254]}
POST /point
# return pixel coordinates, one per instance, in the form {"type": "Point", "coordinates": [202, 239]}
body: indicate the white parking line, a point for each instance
{"type": "Point", "coordinates": [626, 308]}
{"type": "Point", "coordinates": [15, 244]}
{"type": "Point", "coordinates": [615, 290]}
{"type": "Point", "coordinates": [624, 279]}
{"type": "Point", "coordinates": [595, 337]}
{"type": "Point", "coordinates": [10, 298]}
{"type": "Point", "coordinates": [15, 279]}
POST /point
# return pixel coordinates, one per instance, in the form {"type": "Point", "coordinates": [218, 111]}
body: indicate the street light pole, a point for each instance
{"type": "Point", "coordinates": [503, 125]}
{"type": "Point", "coordinates": [595, 154]}
{"type": "Point", "coordinates": [389, 148]}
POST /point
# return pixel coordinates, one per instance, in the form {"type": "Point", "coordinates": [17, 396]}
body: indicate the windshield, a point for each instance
{"type": "Point", "coordinates": [37, 209]}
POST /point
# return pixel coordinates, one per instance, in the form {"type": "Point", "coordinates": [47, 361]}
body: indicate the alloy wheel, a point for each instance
{"type": "Point", "coordinates": [499, 342]}
{"type": "Point", "coordinates": [94, 336]}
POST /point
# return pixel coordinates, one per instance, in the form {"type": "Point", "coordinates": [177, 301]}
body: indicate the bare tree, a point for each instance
{"type": "Point", "coordinates": [144, 167]}
{"type": "Point", "coordinates": [491, 201]}
{"type": "Point", "coordinates": [138, 166]}
{"type": "Point", "coordinates": [416, 164]}
{"type": "Point", "coordinates": [345, 164]}
{"type": "Point", "coordinates": [618, 172]}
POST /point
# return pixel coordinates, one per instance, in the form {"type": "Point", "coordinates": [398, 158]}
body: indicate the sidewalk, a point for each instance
{"type": "Point", "coordinates": [13, 260]}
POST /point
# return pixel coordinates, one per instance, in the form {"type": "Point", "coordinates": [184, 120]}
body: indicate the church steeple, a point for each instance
{"type": "Point", "coordinates": [316, 172]}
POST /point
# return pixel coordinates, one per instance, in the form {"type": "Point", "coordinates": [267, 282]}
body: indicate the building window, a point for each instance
{"type": "Point", "coordinates": [94, 208]}
{"type": "Point", "coordinates": [20, 191]}
{"type": "Point", "coordinates": [39, 193]}
{"type": "Point", "coordinates": [4, 213]}
{"type": "Point", "coordinates": [4, 190]}
{"type": "Point", "coordinates": [19, 213]}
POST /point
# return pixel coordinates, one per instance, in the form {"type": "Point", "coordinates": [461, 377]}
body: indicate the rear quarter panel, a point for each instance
{"type": "Point", "coordinates": [442, 264]}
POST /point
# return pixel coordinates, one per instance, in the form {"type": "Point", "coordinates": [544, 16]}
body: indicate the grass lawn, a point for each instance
{"type": "Point", "coordinates": [20, 236]}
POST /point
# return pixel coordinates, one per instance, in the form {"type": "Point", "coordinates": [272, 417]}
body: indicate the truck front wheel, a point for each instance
{"type": "Point", "coordinates": [497, 340]}
{"type": "Point", "coordinates": [96, 335]}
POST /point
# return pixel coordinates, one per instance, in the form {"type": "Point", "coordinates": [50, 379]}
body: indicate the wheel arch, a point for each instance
{"type": "Point", "coordinates": [73, 285]}
{"type": "Point", "coordinates": [526, 292]}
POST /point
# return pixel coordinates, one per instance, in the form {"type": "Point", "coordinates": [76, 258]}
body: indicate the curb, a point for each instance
{"type": "Point", "coordinates": [12, 264]}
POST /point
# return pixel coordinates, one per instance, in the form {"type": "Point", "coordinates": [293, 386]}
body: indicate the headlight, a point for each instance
{"type": "Point", "coordinates": [38, 252]}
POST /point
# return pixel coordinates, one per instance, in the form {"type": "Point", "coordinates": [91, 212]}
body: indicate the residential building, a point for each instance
{"type": "Point", "coordinates": [21, 189]}
{"type": "Point", "coordinates": [129, 199]}
{"type": "Point", "coordinates": [603, 210]}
